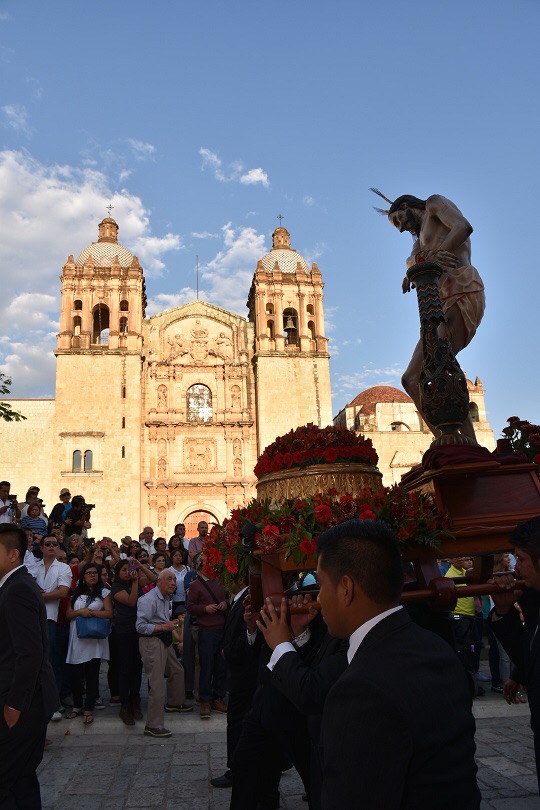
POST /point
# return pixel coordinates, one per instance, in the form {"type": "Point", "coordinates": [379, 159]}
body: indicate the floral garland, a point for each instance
{"type": "Point", "coordinates": [293, 526]}
{"type": "Point", "coordinates": [309, 444]}
{"type": "Point", "coordinates": [524, 437]}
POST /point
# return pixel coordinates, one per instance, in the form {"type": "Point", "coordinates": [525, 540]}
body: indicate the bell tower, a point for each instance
{"type": "Point", "coordinates": [291, 360]}
{"type": "Point", "coordinates": [98, 376]}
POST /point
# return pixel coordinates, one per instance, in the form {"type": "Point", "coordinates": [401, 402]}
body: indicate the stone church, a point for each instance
{"type": "Point", "coordinates": [159, 420]}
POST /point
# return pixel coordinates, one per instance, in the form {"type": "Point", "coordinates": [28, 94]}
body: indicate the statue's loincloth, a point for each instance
{"type": "Point", "coordinates": [464, 288]}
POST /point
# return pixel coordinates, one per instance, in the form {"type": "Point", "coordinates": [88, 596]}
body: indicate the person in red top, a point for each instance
{"type": "Point", "coordinates": [207, 601]}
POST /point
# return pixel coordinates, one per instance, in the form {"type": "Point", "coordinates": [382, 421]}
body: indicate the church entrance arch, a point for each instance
{"type": "Point", "coordinates": [194, 518]}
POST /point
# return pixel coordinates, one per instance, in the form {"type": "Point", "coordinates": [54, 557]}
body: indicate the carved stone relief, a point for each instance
{"type": "Point", "coordinates": [237, 468]}
{"type": "Point", "coordinates": [199, 454]}
{"type": "Point", "coordinates": [162, 398]}
{"type": "Point", "coordinates": [237, 448]}
{"type": "Point", "coordinates": [236, 401]}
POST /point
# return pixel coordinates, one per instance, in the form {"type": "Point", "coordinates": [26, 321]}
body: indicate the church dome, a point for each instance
{"type": "Point", "coordinates": [378, 393]}
{"type": "Point", "coordinates": [286, 257]}
{"type": "Point", "coordinates": [106, 248]}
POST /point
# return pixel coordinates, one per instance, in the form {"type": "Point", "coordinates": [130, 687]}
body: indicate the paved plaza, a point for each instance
{"type": "Point", "coordinates": [108, 766]}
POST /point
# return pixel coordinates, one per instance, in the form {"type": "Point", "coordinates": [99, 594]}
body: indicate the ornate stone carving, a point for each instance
{"type": "Point", "coordinates": [224, 347]}
{"type": "Point", "coordinates": [176, 346]}
{"type": "Point", "coordinates": [162, 467]}
{"type": "Point", "coordinates": [199, 454]}
{"type": "Point", "coordinates": [199, 343]}
{"type": "Point", "coordinates": [237, 467]}
{"type": "Point", "coordinates": [162, 398]}
{"type": "Point", "coordinates": [236, 398]}
{"type": "Point", "coordinates": [162, 516]}
{"type": "Point", "coordinates": [237, 448]}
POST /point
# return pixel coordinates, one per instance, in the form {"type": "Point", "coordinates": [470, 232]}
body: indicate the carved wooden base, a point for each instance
{"type": "Point", "coordinates": [305, 483]}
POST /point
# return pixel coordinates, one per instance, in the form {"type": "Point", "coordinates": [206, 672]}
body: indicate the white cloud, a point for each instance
{"type": "Point", "coordinates": [141, 149]}
{"type": "Point", "coordinates": [47, 212]}
{"type": "Point", "coordinates": [307, 200]}
{"type": "Point", "coordinates": [253, 177]}
{"type": "Point", "coordinates": [312, 254]}
{"type": "Point", "coordinates": [204, 235]}
{"type": "Point", "coordinates": [233, 172]}
{"type": "Point", "coordinates": [16, 117]}
{"type": "Point", "coordinates": [228, 275]}
{"type": "Point", "coordinates": [163, 301]}
{"type": "Point", "coordinates": [367, 377]}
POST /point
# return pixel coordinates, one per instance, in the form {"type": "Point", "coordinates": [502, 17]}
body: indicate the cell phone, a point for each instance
{"type": "Point", "coordinates": [132, 565]}
{"type": "Point", "coordinates": [88, 542]}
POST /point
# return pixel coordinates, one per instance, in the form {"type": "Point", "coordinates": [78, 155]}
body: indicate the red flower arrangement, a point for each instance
{"type": "Point", "coordinates": [293, 526]}
{"type": "Point", "coordinates": [524, 437]}
{"type": "Point", "coordinates": [309, 444]}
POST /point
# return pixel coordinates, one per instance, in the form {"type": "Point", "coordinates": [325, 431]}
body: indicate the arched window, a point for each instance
{"type": "Point", "coordinates": [123, 326]}
{"type": "Point", "coordinates": [124, 306]}
{"type": "Point", "coordinates": [310, 310]}
{"type": "Point", "coordinates": [399, 426]}
{"type": "Point", "coordinates": [269, 309]}
{"type": "Point", "coordinates": [77, 324]}
{"type": "Point", "coordinates": [311, 329]}
{"type": "Point", "coordinates": [290, 326]}
{"type": "Point", "coordinates": [77, 457]}
{"type": "Point", "coordinates": [270, 329]}
{"type": "Point", "coordinates": [100, 332]}
{"type": "Point", "coordinates": [88, 458]}
{"type": "Point", "coordinates": [199, 403]}
{"type": "Point", "coordinates": [77, 304]}
{"type": "Point", "coordinates": [473, 410]}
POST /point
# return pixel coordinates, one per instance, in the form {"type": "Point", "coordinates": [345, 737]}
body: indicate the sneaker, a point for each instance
{"type": "Point", "coordinates": [56, 716]}
{"type": "Point", "coordinates": [127, 717]}
{"type": "Point", "coordinates": [157, 732]}
{"type": "Point", "coordinates": [99, 704]}
{"type": "Point", "coordinates": [183, 707]}
{"type": "Point", "coordinates": [205, 711]}
{"type": "Point", "coordinates": [481, 677]}
{"type": "Point", "coordinates": [190, 696]}
{"type": "Point", "coordinates": [219, 706]}
{"type": "Point", "coordinates": [497, 688]}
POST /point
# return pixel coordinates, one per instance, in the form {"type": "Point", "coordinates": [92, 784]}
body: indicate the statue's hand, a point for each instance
{"type": "Point", "coordinates": [406, 285]}
{"type": "Point", "coordinates": [445, 258]}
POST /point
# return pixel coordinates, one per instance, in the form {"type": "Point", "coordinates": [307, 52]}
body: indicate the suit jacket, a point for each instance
{"type": "Point", "coordinates": [398, 730]}
{"type": "Point", "coordinates": [241, 658]}
{"type": "Point", "coordinates": [522, 643]}
{"type": "Point", "coordinates": [26, 676]}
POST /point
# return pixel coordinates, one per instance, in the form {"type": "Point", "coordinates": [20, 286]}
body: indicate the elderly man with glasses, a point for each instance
{"type": "Point", "coordinates": [54, 579]}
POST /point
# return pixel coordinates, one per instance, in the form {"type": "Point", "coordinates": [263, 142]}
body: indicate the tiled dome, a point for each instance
{"type": "Point", "coordinates": [287, 260]}
{"type": "Point", "coordinates": [103, 254]}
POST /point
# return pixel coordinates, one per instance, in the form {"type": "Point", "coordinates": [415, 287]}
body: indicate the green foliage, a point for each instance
{"type": "Point", "coordinates": [6, 411]}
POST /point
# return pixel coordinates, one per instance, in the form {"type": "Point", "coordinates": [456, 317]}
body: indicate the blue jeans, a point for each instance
{"type": "Point", "coordinates": [212, 681]}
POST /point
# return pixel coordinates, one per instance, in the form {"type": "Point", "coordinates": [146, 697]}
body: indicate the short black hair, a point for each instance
{"type": "Point", "coordinates": [367, 551]}
{"type": "Point", "coordinates": [5, 484]}
{"type": "Point", "coordinates": [77, 502]}
{"type": "Point", "coordinates": [410, 200]}
{"type": "Point", "coordinates": [12, 536]}
{"type": "Point", "coordinates": [526, 536]}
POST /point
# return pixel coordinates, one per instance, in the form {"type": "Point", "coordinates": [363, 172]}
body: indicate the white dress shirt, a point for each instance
{"type": "Point", "coordinates": [361, 632]}
{"type": "Point", "coordinates": [58, 574]}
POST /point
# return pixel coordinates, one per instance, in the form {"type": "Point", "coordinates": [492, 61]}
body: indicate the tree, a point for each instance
{"type": "Point", "coordinates": [6, 411]}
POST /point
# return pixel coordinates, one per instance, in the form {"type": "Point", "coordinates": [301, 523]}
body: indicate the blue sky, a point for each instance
{"type": "Point", "coordinates": [201, 122]}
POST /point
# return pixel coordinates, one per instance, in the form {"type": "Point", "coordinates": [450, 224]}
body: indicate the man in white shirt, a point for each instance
{"type": "Point", "coordinates": [54, 579]}
{"type": "Point", "coordinates": [9, 511]}
{"type": "Point", "coordinates": [383, 715]}
{"type": "Point", "coordinates": [146, 539]}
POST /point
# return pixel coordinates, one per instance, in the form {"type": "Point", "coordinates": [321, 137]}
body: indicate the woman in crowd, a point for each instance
{"type": "Point", "coordinates": [34, 521]}
{"type": "Point", "coordinates": [180, 570]}
{"type": "Point", "coordinates": [125, 593]}
{"type": "Point", "coordinates": [85, 655]}
{"type": "Point", "coordinates": [175, 543]}
{"type": "Point", "coordinates": [160, 544]}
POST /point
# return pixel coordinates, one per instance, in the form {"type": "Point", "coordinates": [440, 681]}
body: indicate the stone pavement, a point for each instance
{"type": "Point", "coordinates": [108, 766]}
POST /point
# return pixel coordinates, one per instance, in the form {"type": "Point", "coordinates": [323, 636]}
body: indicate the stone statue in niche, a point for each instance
{"type": "Point", "coordinates": [441, 234]}
{"type": "Point", "coordinates": [237, 447]}
{"type": "Point", "coordinates": [237, 467]}
{"type": "Point", "coordinates": [162, 468]}
{"type": "Point", "coordinates": [162, 397]}
{"type": "Point", "coordinates": [162, 515]}
{"type": "Point", "coordinates": [235, 398]}
{"type": "Point", "coordinates": [224, 347]}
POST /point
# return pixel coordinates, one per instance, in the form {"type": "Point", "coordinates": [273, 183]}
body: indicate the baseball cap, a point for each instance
{"type": "Point", "coordinates": [64, 492]}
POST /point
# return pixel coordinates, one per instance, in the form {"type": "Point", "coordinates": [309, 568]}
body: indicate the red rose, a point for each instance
{"type": "Point", "coordinates": [288, 459]}
{"type": "Point", "coordinates": [287, 524]}
{"type": "Point", "coordinates": [215, 556]}
{"type": "Point", "coordinates": [331, 455]}
{"type": "Point", "coordinates": [322, 513]}
{"type": "Point", "coordinates": [231, 565]}
{"type": "Point", "coordinates": [270, 531]}
{"type": "Point", "coordinates": [347, 505]}
{"type": "Point", "coordinates": [298, 457]}
{"type": "Point", "coordinates": [300, 505]}
{"type": "Point", "coordinates": [307, 546]}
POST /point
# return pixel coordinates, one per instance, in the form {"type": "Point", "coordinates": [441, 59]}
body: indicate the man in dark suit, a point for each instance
{"type": "Point", "coordinates": [522, 641]}
{"type": "Point", "coordinates": [397, 729]}
{"type": "Point", "coordinates": [28, 696]}
{"type": "Point", "coordinates": [242, 669]}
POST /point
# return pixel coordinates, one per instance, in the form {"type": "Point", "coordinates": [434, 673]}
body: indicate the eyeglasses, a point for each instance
{"type": "Point", "coordinates": [49, 543]}
{"type": "Point", "coordinates": [91, 574]}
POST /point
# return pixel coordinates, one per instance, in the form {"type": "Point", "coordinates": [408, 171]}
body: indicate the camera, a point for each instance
{"type": "Point", "coordinates": [12, 498]}
{"type": "Point", "coordinates": [89, 542]}
{"type": "Point", "coordinates": [89, 506]}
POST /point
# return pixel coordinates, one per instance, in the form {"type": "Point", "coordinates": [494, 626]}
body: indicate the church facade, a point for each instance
{"type": "Point", "coordinates": [159, 420]}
